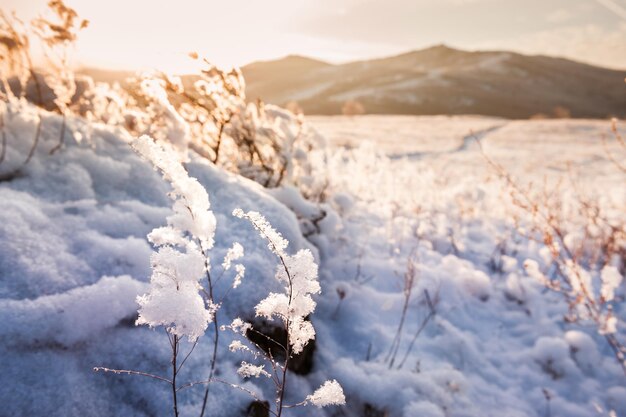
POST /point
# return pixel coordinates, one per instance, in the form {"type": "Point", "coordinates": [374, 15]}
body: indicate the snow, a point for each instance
{"type": "Point", "coordinates": [330, 393]}
{"type": "Point", "coordinates": [499, 337]}
{"type": "Point", "coordinates": [70, 317]}
{"type": "Point", "coordinates": [74, 257]}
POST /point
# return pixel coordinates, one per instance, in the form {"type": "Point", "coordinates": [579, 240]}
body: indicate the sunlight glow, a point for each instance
{"type": "Point", "coordinates": [144, 34]}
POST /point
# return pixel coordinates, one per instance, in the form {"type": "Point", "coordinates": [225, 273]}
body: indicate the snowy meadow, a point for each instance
{"type": "Point", "coordinates": [171, 249]}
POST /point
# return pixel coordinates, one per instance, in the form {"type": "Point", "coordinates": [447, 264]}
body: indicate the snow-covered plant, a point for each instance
{"type": "Point", "coordinates": [15, 57]}
{"type": "Point", "coordinates": [176, 299]}
{"type": "Point", "coordinates": [330, 393]}
{"type": "Point", "coordinates": [165, 121]}
{"type": "Point", "coordinates": [409, 282]}
{"type": "Point", "coordinates": [584, 247]}
{"type": "Point", "coordinates": [262, 142]}
{"type": "Point", "coordinates": [298, 275]}
{"type": "Point", "coordinates": [16, 64]}
{"type": "Point", "coordinates": [109, 104]}
{"type": "Point", "coordinates": [58, 33]}
{"type": "Point", "coordinates": [179, 264]}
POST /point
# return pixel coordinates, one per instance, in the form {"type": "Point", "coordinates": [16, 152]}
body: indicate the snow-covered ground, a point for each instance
{"type": "Point", "coordinates": [74, 256]}
{"type": "Point", "coordinates": [497, 334]}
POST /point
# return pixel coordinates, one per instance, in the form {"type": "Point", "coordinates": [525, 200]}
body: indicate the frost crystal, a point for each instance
{"type": "Point", "coordinates": [233, 254]}
{"type": "Point", "coordinates": [609, 324]}
{"type": "Point", "coordinates": [192, 214]}
{"type": "Point", "coordinates": [241, 270]}
{"type": "Point", "coordinates": [330, 393]}
{"type": "Point", "coordinates": [611, 279]}
{"type": "Point", "coordinates": [532, 269]}
{"type": "Point", "coordinates": [247, 370]}
{"type": "Point", "coordinates": [276, 242]}
{"type": "Point", "coordinates": [240, 326]}
{"type": "Point", "coordinates": [236, 345]}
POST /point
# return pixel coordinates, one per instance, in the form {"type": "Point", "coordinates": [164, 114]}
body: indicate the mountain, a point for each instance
{"type": "Point", "coordinates": [443, 80]}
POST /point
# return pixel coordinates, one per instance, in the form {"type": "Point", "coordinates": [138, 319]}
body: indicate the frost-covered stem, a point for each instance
{"type": "Point", "coordinates": [221, 381]}
{"type": "Point", "coordinates": [129, 372]}
{"type": "Point", "coordinates": [175, 345]}
{"type": "Point", "coordinates": [287, 341]}
{"type": "Point", "coordinates": [620, 141]}
{"type": "Point", "coordinates": [430, 315]}
{"type": "Point", "coordinates": [35, 141]}
{"type": "Point", "coordinates": [280, 257]}
{"type": "Point", "coordinates": [61, 135]}
{"type": "Point", "coordinates": [33, 74]}
{"type": "Point", "coordinates": [269, 339]}
{"type": "Point", "coordinates": [287, 346]}
{"type": "Point", "coordinates": [409, 279]}
{"type": "Point", "coordinates": [10, 175]}
{"type": "Point", "coordinates": [283, 382]}
{"type": "Point", "coordinates": [395, 345]}
{"type": "Point", "coordinates": [216, 330]}
{"type": "Point", "coordinates": [301, 403]}
{"type": "Point", "coordinates": [187, 355]}
{"type": "Point", "coordinates": [213, 362]}
{"type": "Point", "coordinates": [548, 397]}
{"type": "Point", "coordinates": [3, 152]}
{"type": "Point", "coordinates": [219, 139]}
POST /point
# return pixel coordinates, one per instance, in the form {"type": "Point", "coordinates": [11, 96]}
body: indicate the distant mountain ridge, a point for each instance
{"type": "Point", "coordinates": [435, 80]}
{"type": "Point", "coordinates": [443, 80]}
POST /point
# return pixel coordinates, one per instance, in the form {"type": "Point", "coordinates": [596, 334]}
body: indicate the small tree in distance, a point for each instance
{"type": "Point", "coordinates": [352, 108]}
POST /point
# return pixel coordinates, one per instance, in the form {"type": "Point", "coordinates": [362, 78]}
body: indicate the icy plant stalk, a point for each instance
{"type": "Point", "coordinates": [298, 274]}
{"type": "Point", "coordinates": [179, 263]}
{"type": "Point", "coordinates": [58, 34]}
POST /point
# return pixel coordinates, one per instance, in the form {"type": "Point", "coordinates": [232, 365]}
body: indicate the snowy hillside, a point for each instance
{"type": "Point", "coordinates": [442, 80]}
{"type": "Point", "coordinates": [413, 219]}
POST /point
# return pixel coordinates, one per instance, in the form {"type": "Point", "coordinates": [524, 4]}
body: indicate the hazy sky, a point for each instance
{"type": "Point", "coordinates": [159, 33]}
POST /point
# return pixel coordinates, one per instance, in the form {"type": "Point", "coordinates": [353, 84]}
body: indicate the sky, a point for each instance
{"type": "Point", "coordinates": [141, 34]}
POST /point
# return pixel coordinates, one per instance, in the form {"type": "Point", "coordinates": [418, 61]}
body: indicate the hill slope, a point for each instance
{"type": "Point", "coordinates": [442, 80]}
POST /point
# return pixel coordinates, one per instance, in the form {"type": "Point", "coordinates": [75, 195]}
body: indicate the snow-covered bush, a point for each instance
{"type": "Point", "coordinates": [174, 299]}
{"type": "Point", "coordinates": [262, 142]}
{"type": "Point", "coordinates": [55, 87]}
{"type": "Point", "coordinates": [58, 33]}
{"type": "Point", "coordinates": [207, 112]}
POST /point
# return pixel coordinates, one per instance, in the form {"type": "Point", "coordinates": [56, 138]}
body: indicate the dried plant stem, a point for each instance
{"type": "Point", "coordinates": [548, 224]}
{"type": "Point", "coordinates": [283, 381]}
{"type": "Point", "coordinates": [431, 314]}
{"type": "Point", "coordinates": [215, 329]}
{"type": "Point", "coordinates": [220, 134]}
{"type": "Point", "coordinates": [12, 174]}
{"type": "Point", "coordinates": [610, 156]}
{"type": "Point", "coordinates": [175, 369]}
{"type": "Point", "coordinates": [3, 132]}
{"type": "Point", "coordinates": [61, 135]}
{"type": "Point", "coordinates": [409, 281]}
